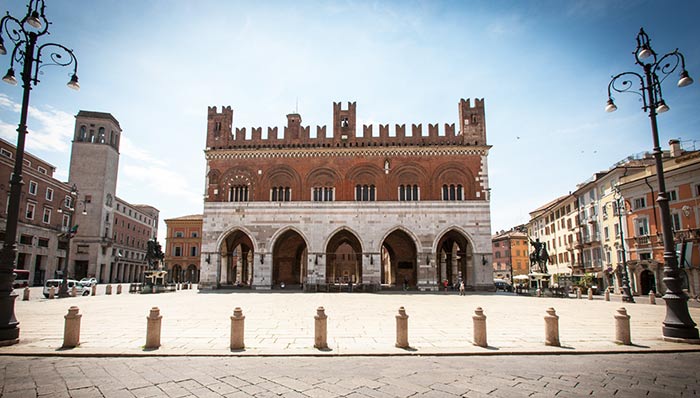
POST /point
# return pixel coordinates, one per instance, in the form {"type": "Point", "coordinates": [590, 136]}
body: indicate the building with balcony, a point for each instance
{"type": "Point", "coordinates": [682, 177]}
{"type": "Point", "coordinates": [183, 244]}
{"type": "Point", "coordinates": [556, 225]}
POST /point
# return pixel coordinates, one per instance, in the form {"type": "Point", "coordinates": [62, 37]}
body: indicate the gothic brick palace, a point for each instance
{"type": "Point", "coordinates": [377, 208]}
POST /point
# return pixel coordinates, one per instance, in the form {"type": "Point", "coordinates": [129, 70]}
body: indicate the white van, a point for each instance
{"type": "Point", "coordinates": [80, 289]}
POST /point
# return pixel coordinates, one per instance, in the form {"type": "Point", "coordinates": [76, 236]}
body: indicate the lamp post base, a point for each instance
{"type": "Point", "coordinates": [678, 324]}
{"type": "Point", "coordinates": [9, 330]}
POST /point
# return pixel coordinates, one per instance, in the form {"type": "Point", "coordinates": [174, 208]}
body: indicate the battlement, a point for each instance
{"type": "Point", "coordinates": [470, 131]}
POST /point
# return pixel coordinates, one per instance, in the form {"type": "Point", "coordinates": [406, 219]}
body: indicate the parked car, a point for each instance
{"type": "Point", "coordinates": [502, 285]}
{"type": "Point", "coordinates": [79, 288]}
{"type": "Point", "coordinates": [88, 282]}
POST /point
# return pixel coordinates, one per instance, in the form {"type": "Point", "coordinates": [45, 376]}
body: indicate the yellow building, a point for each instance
{"type": "Point", "coordinates": [182, 248]}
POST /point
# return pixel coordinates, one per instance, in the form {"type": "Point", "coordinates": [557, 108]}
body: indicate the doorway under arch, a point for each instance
{"type": "Point", "coordinates": [453, 258]}
{"type": "Point", "coordinates": [289, 259]}
{"type": "Point", "coordinates": [236, 267]}
{"type": "Point", "coordinates": [176, 273]}
{"type": "Point", "coordinates": [344, 258]}
{"type": "Point", "coordinates": [648, 282]}
{"type": "Point", "coordinates": [192, 275]}
{"type": "Point", "coordinates": [398, 259]}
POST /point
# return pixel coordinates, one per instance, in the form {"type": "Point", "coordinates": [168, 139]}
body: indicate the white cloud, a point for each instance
{"type": "Point", "coordinates": [49, 129]}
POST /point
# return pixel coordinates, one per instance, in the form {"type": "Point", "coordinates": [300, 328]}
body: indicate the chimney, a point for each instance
{"type": "Point", "coordinates": [675, 148]}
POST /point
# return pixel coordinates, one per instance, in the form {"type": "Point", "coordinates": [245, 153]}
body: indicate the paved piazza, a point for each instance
{"type": "Point", "coordinates": [618, 375]}
{"type": "Point", "coordinates": [282, 323]}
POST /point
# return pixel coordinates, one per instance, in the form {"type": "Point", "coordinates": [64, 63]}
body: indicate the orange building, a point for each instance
{"type": "Point", "coordinates": [183, 244]}
{"type": "Point", "coordinates": [510, 253]}
{"type": "Point", "coordinates": [682, 176]}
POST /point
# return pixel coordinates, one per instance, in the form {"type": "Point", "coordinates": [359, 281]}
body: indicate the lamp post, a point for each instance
{"type": "Point", "coordinates": [626, 294]}
{"type": "Point", "coordinates": [677, 325]}
{"type": "Point", "coordinates": [23, 34]}
{"type": "Point", "coordinates": [63, 289]}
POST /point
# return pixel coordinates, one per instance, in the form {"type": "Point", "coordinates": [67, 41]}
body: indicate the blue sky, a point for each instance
{"type": "Point", "coordinates": [541, 66]}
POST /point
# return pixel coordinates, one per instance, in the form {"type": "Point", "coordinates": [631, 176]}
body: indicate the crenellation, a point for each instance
{"type": "Point", "coordinates": [470, 131]}
{"type": "Point", "coordinates": [417, 130]}
{"type": "Point", "coordinates": [383, 132]}
{"type": "Point", "coordinates": [433, 130]}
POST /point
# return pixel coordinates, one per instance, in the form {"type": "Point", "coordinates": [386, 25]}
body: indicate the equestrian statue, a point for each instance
{"type": "Point", "coordinates": [539, 256]}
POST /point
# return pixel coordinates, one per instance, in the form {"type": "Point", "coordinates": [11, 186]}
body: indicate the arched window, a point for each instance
{"type": "Point", "coordinates": [365, 193]}
{"type": "Point", "coordinates": [83, 133]}
{"type": "Point", "coordinates": [101, 135]}
{"type": "Point", "coordinates": [323, 194]}
{"type": "Point", "coordinates": [408, 193]}
{"type": "Point", "coordinates": [238, 193]}
{"type": "Point", "coordinates": [452, 192]}
{"type": "Point", "coordinates": [280, 194]}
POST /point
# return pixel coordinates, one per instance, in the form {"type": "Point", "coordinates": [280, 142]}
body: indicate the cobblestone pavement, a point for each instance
{"type": "Point", "coordinates": [602, 375]}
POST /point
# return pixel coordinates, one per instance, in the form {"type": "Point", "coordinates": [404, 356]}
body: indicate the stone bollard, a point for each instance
{"type": "Point", "coordinates": [578, 292]}
{"type": "Point", "coordinates": [320, 329]}
{"type": "Point", "coordinates": [25, 295]}
{"type": "Point", "coordinates": [153, 328]}
{"type": "Point", "coordinates": [479, 327]}
{"type": "Point", "coordinates": [590, 293]}
{"type": "Point", "coordinates": [538, 292]}
{"type": "Point", "coordinates": [177, 286]}
{"type": "Point", "coordinates": [607, 294]}
{"type": "Point", "coordinates": [52, 292]}
{"type": "Point", "coordinates": [73, 291]}
{"type": "Point", "coordinates": [551, 328]}
{"type": "Point", "coordinates": [237, 329]}
{"type": "Point", "coordinates": [622, 327]}
{"type": "Point", "coordinates": [119, 288]}
{"type": "Point", "coordinates": [108, 290]}
{"type": "Point", "coordinates": [402, 329]}
{"type": "Point", "coordinates": [71, 330]}
{"type": "Point", "coordinates": [93, 290]}
{"type": "Point", "coordinates": [652, 297]}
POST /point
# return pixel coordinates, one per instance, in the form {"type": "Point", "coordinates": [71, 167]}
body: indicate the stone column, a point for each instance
{"type": "Point", "coordinates": [551, 328]}
{"type": "Point", "coordinates": [402, 329]}
{"type": "Point", "coordinates": [237, 329]}
{"type": "Point", "coordinates": [622, 327]}
{"type": "Point", "coordinates": [479, 327]}
{"type": "Point", "coordinates": [320, 329]}
{"type": "Point", "coordinates": [153, 328]}
{"type": "Point", "coordinates": [71, 329]}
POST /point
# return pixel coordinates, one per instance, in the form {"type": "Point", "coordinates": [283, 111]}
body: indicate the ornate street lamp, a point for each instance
{"type": "Point", "coordinates": [72, 230]}
{"type": "Point", "coordinates": [23, 34]}
{"type": "Point", "coordinates": [620, 207]}
{"type": "Point", "coordinates": [677, 325]}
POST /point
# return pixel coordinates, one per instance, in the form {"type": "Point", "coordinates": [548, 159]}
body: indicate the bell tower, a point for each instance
{"type": "Point", "coordinates": [94, 164]}
{"type": "Point", "coordinates": [472, 122]}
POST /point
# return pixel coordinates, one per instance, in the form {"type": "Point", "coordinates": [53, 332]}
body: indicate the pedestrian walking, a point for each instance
{"type": "Point", "coordinates": [461, 288]}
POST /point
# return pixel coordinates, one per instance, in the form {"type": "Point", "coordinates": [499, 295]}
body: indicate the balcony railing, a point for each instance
{"type": "Point", "coordinates": [642, 240]}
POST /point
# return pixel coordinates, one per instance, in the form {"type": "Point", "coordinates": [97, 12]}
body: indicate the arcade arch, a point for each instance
{"type": "Point", "coordinates": [344, 258]}
{"type": "Point", "coordinates": [454, 255]}
{"type": "Point", "coordinates": [289, 259]}
{"type": "Point", "coordinates": [236, 266]}
{"type": "Point", "coordinates": [398, 257]}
